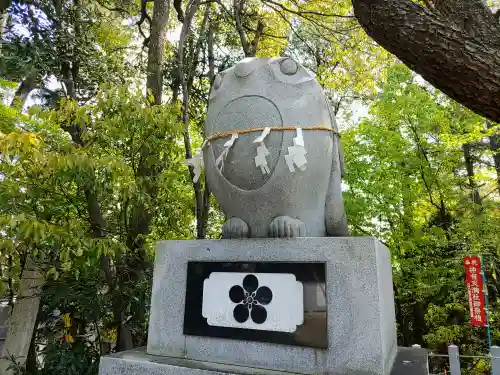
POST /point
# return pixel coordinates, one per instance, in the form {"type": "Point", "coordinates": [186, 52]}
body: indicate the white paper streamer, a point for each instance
{"type": "Point", "coordinates": [262, 136]}
{"type": "Point", "coordinates": [230, 143]}
{"type": "Point", "coordinates": [197, 163]}
{"type": "Point", "coordinates": [289, 162]}
{"type": "Point", "coordinates": [220, 160]}
{"type": "Point", "coordinates": [260, 159]}
{"type": "Point", "coordinates": [299, 139]}
{"type": "Point", "coordinates": [296, 153]}
{"type": "Point", "coordinates": [262, 152]}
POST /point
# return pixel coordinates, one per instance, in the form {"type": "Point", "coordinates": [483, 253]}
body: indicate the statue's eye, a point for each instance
{"type": "Point", "coordinates": [289, 67]}
{"type": "Point", "coordinates": [217, 81]}
{"type": "Point", "coordinates": [245, 67]}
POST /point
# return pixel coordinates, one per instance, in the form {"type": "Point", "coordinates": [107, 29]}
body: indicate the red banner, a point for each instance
{"type": "Point", "coordinates": [474, 282]}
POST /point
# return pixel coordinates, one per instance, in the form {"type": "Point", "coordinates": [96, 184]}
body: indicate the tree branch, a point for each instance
{"type": "Point", "coordinates": [191, 9]}
{"type": "Point", "coordinates": [472, 16]}
{"type": "Point", "coordinates": [462, 63]}
{"type": "Point", "coordinates": [283, 17]}
{"type": "Point", "coordinates": [210, 48]}
{"type": "Point", "coordinates": [303, 13]}
{"type": "Point", "coordinates": [237, 11]}
{"type": "Point", "coordinates": [179, 10]}
{"type": "Point", "coordinates": [255, 42]}
{"type": "Point", "coordinates": [156, 52]}
{"type": "Point", "coordinates": [114, 9]}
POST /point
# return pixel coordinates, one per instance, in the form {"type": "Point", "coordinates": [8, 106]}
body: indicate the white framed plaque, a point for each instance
{"type": "Point", "coordinates": [258, 301]}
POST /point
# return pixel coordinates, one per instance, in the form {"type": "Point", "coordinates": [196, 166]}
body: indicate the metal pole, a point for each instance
{"type": "Point", "coordinates": [485, 292]}
{"type": "Point", "coordinates": [495, 360]}
{"type": "Point", "coordinates": [454, 360]}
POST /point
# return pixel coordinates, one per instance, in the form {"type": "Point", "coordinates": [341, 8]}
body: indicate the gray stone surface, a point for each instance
{"type": "Point", "coordinates": [274, 92]}
{"type": "Point", "coordinates": [361, 319]}
{"type": "Point", "coordinates": [411, 361]}
{"type": "Point", "coordinates": [4, 327]}
{"type": "Point", "coordinates": [23, 318]}
{"type": "Point", "coordinates": [137, 362]}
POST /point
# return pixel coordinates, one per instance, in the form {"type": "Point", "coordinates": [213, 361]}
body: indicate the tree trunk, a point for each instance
{"type": "Point", "coordinates": [191, 9]}
{"type": "Point", "coordinates": [495, 149]}
{"type": "Point", "coordinates": [149, 169]}
{"type": "Point", "coordinates": [4, 16]}
{"type": "Point", "coordinates": [210, 52]}
{"type": "Point", "coordinates": [469, 166]}
{"type": "Point", "coordinates": [23, 317]}
{"type": "Point", "coordinates": [156, 53]}
{"type": "Point", "coordinates": [249, 47]}
{"type": "Point", "coordinates": [4, 5]}
{"type": "Point", "coordinates": [97, 225]}
{"type": "Point", "coordinates": [31, 362]}
{"type": "Point", "coordinates": [400, 318]}
{"type": "Point", "coordinates": [419, 326]}
{"type": "Point", "coordinates": [24, 89]}
{"type": "Point", "coordinates": [237, 11]}
{"type": "Point", "coordinates": [454, 46]}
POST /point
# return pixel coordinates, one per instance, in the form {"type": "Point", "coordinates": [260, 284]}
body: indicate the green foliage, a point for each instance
{"type": "Point", "coordinates": [69, 40]}
{"type": "Point", "coordinates": [92, 178]}
{"type": "Point", "coordinates": [70, 359]}
{"type": "Point", "coordinates": [43, 212]}
{"type": "Point", "coordinates": [407, 184]}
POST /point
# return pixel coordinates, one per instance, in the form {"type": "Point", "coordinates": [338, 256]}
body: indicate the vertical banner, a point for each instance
{"type": "Point", "coordinates": [475, 290]}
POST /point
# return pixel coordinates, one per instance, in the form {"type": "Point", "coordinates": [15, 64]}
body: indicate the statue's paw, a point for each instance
{"type": "Point", "coordinates": [337, 228]}
{"type": "Point", "coordinates": [285, 226]}
{"type": "Point", "coordinates": [235, 228]}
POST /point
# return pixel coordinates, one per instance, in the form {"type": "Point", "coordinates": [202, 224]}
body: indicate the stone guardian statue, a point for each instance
{"type": "Point", "coordinates": [288, 182]}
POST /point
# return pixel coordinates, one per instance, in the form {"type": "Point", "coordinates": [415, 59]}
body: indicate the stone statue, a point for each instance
{"type": "Point", "coordinates": [271, 200]}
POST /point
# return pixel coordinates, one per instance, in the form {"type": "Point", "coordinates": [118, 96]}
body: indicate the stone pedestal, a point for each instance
{"type": "Point", "coordinates": [138, 362]}
{"type": "Point", "coordinates": [409, 361]}
{"type": "Point", "coordinates": [354, 334]}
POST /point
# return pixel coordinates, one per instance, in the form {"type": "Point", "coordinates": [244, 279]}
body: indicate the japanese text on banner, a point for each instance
{"type": "Point", "coordinates": [475, 290]}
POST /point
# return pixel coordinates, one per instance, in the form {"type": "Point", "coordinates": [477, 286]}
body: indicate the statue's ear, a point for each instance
{"type": "Point", "coordinates": [336, 139]}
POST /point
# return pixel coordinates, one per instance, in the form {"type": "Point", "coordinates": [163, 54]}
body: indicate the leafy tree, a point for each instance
{"type": "Point", "coordinates": [79, 43]}
{"type": "Point", "coordinates": [47, 213]}
{"type": "Point", "coordinates": [93, 178]}
{"type": "Point", "coordinates": [408, 184]}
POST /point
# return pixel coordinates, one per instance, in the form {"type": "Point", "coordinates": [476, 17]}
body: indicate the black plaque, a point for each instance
{"type": "Point", "coordinates": [313, 333]}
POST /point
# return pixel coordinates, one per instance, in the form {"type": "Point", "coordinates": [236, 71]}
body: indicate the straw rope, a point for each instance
{"type": "Point", "coordinates": [274, 128]}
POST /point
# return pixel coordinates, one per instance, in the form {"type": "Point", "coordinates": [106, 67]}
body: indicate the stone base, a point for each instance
{"type": "Point", "coordinates": [409, 361]}
{"type": "Point", "coordinates": [138, 362]}
{"type": "Point", "coordinates": [361, 325]}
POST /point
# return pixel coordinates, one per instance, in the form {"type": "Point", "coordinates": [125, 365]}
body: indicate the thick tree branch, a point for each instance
{"type": "Point", "coordinates": [197, 50]}
{"type": "Point", "coordinates": [191, 9]}
{"type": "Point", "coordinates": [120, 10]}
{"type": "Point", "coordinates": [494, 143]}
{"type": "Point", "coordinates": [255, 42]}
{"type": "Point", "coordinates": [179, 10]}
{"type": "Point", "coordinates": [156, 52]}
{"type": "Point", "coordinates": [471, 16]}
{"type": "Point", "coordinates": [463, 64]}
{"type": "Point", "coordinates": [237, 9]}
{"type": "Point", "coordinates": [294, 32]}
{"type": "Point", "coordinates": [210, 50]}
{"type": "Point", "coordinates": [304, 13]}
{"type": "Point", "coordinates": [469, 166]}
